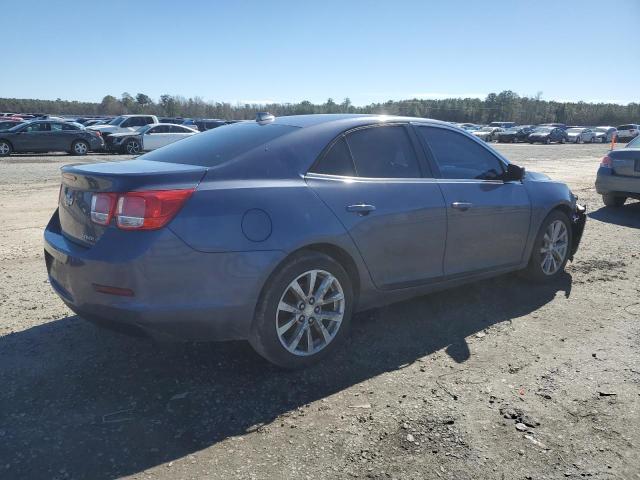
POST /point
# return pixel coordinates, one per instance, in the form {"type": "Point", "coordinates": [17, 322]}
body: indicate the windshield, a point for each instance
{"type": "Point", "coordinates": [635, 143]}
{"type": "Point", "coordinates": [146, 127]}
{"type": "Point", "coordinates": [216, 146]}
{"type": "Point", "coordinates": [601, 129]}
{"type": "Point", "coordinates": [18, 127]}
{"type": "Point", "coordinates": [543, 129]}
{"type": "Point", "coordinates": [574, 130]}
{"type": "Point", "coordinates": [116, 121]}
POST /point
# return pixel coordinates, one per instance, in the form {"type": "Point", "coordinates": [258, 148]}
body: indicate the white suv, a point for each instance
{"type": "Point", "coordinates": [631, 130]}
{"type": "Point", "coordinates": [125, 124]}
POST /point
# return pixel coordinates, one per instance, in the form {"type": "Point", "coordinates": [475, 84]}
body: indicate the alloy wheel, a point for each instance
{"type": "Point", "coordinates": [310, 312]}
{"type": "Point", "coordinates": [554, 247]}
{"type": "Point", "coordinates": [80, 148]}
{"type": "Point", "coordinates": [133, 147]}
{"type": "Point", "coordinates": [4, 148]}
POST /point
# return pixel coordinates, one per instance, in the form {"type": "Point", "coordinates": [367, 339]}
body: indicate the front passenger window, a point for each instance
{"type": "Point", "coordinates": [459, 157]}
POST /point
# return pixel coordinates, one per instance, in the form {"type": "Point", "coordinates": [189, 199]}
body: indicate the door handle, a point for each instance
{"type": "Point", "coordinates": [461, 205]}
{"type": "Point", "coordinates": [361, 209]}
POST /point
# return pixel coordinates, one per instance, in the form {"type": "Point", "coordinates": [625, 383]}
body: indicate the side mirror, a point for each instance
{"type": "Point", "coordinates": [514, 173]}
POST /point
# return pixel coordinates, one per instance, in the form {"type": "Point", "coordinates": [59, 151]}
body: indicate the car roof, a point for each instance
{"type": "Point", "coordinates": [304, 121]}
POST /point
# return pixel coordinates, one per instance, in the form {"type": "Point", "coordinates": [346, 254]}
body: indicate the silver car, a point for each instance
{"type": "Point", "coordinates": [605, 134]}
{"type": "Point", "coordinates": [581, 135]}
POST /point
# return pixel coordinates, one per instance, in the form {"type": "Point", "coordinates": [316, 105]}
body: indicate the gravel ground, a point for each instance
{"type": "Point", "coordinates": [495, 380]}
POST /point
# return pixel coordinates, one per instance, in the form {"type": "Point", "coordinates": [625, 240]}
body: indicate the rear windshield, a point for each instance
{"type": "Point", "coordinates": [627, 127]}
{"type": "Point", "coordinates": [219, 145]}
{"type": "Point", "coordinates": [635, 143]}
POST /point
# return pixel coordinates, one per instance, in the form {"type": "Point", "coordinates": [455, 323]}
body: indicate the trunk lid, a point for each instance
{"type": "Point", "coordinates": [79, 182]}
{"type": "Point", "coordinates": [626, 162]}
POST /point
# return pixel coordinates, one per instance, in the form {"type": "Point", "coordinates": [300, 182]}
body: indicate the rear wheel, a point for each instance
{"type": "Point", "coordinates": [547, 141]}
{"type": "Point", "coordinates": [551, 248]}
{"type": "Point", "coordinates": [593, 139]}
{"type": "Point", "coordinates": [132, 147]}
{"type": "Point", "coordinates": [5, 148]}
{"type": "Point", "coordinates": [615, 201]}
{"type": "Point", "coordinates": [304, 311]}
{"type": "Point", "coordinates": [79, 147]}
{"type": "Point", "coordinates": [562, 140]}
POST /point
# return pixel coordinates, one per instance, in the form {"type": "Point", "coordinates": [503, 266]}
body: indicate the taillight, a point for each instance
{"type": "Point", "coordinates": [149, 210]}
{"type": "Point", "coordinates": [138, 210]}
{"type": "Point", "coordinates": [102, 207]}
{"type": "Point", "coordinates": [606, 162]}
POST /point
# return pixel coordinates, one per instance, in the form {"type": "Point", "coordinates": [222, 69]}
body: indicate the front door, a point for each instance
{"type": "Point", "coordinates": [488, 219]}
{"type": "Point", "coordinates": [34, 137]}
{"type": "Point", "coordinates": [372, 181]}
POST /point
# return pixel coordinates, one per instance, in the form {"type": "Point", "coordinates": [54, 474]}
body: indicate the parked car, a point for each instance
{"type": "Point", "coordinates": [469, 127]}
{"type": "Point", "coordinates": [147, 138]}
{"type": "Point", "coordinates": [605, 134]}
{"type": "Point", "coordinates": [49, 136]}
{"type": "Point", "coordinates": [618, 177]}
{"type": "Point", "coordinates": [628, 131]}
{"type": "Point", "coordinates": [124, 124]}
{"type": "Point", "coordinates": [515, 134]}
{"type": "Point", "coordinates": [504, 125]}
{"type": "Point", "coordinates": [581, 135]}
{"type": "Point", "coordinates": [89, 123]}
{"type": "Point", "coordinates": [278, 230]}
{"type": "Point", "coordinates": [205, 124]}
{"type": "Point", "coordinates": [547, 135]}
{"type": "Point", "coordinates": [488, 134]}
{"type": "Point", "coordinates": [7, 124]}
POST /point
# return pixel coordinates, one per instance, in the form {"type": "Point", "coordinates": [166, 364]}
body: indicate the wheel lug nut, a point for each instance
{"type": "Point", "coordinates": [311, 320]}
{"type": "Point", "coordinates": [301, 318]}
{"type": "Point", "coordinates": [317, 309]}
{"type": "Point", "coordinates": [301, 306]}
{"type": "Point", "coordinates": [311, 301]}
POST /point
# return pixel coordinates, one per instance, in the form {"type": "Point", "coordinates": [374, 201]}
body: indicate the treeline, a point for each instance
{"type": "Point", "coordinates": [507, 106]}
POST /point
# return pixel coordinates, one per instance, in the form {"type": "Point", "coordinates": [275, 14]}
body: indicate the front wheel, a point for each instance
{"type": "Point", "coordinates": [615, 201]}
{"type": "Point", "coordinates": [547, 141]}
{"type": "Point", "coordinates": [304, 311]}
{"type": "Point", "coordinates": [593, 139]}
{"type": "Point", "coordinates": [562, 140]}
{"type": "Point", "coordinates": [5, 148]}
{"type": "Point", "coordinates": [132, 147]}
{"type": "Point", "coordinates": [551, 248]}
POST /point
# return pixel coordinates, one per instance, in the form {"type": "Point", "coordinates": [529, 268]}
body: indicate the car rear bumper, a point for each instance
{"type": "Point", "coordinates": [607, 182]}
{"type": "Point", "coordinates": [177, 292]}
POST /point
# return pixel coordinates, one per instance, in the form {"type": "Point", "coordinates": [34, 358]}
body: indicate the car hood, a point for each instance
{"type": "Point", "coordinates": [124, 134]}
{"type": "Point", "coordinates": [536, 177]}
{"type": "Point", "coordinates": [103, 128]}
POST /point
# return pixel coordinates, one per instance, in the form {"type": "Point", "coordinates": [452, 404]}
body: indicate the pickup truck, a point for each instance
{"type": "Point", "coordinates": [124, 124]}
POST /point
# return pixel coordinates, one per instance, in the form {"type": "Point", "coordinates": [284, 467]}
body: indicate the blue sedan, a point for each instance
{"type": "Point", "coordinates": [277, 231]}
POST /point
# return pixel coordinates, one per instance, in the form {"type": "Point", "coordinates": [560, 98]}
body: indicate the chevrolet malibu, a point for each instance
{"type": "Point", "coordinates": [277, 231]}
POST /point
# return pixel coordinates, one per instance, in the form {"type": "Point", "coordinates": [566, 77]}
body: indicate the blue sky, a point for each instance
{"type": "Point", "coordinates": [288, 51]}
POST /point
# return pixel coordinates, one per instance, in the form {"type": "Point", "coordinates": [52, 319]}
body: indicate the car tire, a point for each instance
{"type": "Point", "coordinates": [79, 147]}
{"type": "Point", "coordinates": [280, 334]}
{"type": "Point", "coordinates": [131, 147]}
{"type": "Point", "coordinates": [562, 140]}
{"type": "Point", "coordinates": [5, 148]}
{"type": "Point", "coordinates": [615, 201]}
{"type": "Point", "coordinates": [535, 270]}
{"type": "Point", "coordinates": [593, 139]}
{"type": "Point", "coordinates": [603, 140]}
{"type": "Point", "coordinates": [547, 141]}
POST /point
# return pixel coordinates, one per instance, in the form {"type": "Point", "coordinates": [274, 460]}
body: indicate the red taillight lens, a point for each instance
{"type": "Point", "coordinates": [102, 207]}
{"type": "Point", "coordinates": [606, 162]}
{"type": "Point", "coordinates": [149, 210]}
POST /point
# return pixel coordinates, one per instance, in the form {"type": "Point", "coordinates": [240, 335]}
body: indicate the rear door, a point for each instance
{"type": "Point", "coordinates": [488, 219]}
{"type": "Point", "coordinates": [58, 138]}
{"type": "Point", "coordinates": [372, 180]}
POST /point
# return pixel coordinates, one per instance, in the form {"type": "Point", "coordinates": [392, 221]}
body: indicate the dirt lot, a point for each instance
{"type": "Point", "coordinates": [495, 380]}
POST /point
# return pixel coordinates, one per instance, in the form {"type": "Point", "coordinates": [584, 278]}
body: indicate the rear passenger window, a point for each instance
{"type": "Point", "coordinates": [460, 157]}
{"type": "Point", "coordinates": [383, 152]}
{"type": "Point", "coordinates": [337, 161]}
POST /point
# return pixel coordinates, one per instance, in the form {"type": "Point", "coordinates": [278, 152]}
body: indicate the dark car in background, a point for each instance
{"type": "Point", "coordinates": [277, 231]}
{"type": "Point", "coordinates": [547, 135]}
{"type": "Point", "coordinates": [618, 177]}
{"type": "Point", "coordinates": [204, 124]}
{"type": "Point", "coordinates": [49, 136]}
{"type": "Point", "coordinates": [515, 134]}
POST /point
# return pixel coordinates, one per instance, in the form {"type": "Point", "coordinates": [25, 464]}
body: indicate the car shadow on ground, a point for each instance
{"type": "Point", "coordinates": [80, 402]}
{"type": "Point", "coordinates": [626, 216]}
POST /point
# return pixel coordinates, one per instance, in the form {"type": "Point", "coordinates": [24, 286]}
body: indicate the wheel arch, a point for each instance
{"type": "Point", "coordinates": [8, 141]}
